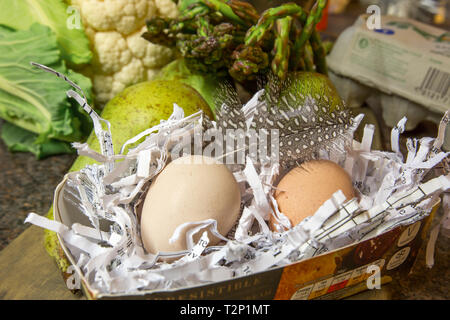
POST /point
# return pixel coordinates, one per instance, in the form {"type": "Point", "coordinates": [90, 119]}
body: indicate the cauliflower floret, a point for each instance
{"type": "Point", "coordinates": [128, 75]}
{"type": "Point", "coordinates": [102, 85]}
{"type": "Point", "coordinates": [167, 8]}
{"type": "Point", "coordinates": [111, 52]}
{"type": "Point", "coordinates": [124, 16]}
{"type": "Point", "coordinates": [121, 56]}
{"type": "Point", "coordinates": [152, 55]}
{"type": "Point", "coordinates": [151, 73]}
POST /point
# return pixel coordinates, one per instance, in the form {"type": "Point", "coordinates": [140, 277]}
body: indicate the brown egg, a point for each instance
{"type": "Point", "coordinates": [189, 189]}
{"type": "Point", "coordinates": [305, 188]}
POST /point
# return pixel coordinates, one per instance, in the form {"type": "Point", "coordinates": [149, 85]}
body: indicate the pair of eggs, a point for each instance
{"type": "Point", "coordinates": [196, 188]}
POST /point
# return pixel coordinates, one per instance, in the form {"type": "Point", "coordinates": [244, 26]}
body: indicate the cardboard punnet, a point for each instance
{"type": "Point", "coordinates": [331, 275]}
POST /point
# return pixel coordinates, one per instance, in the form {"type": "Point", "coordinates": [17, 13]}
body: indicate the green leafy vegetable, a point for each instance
{"type": "Point", "coordinates": [35, 100]}
{"type": "Point", "coordinates": [20, 140]}
{"type": "Point", "coordinates": [73, 43]}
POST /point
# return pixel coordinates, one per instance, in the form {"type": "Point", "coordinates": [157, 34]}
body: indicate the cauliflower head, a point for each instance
{"type": "Point", "coordinates": [120, 56]}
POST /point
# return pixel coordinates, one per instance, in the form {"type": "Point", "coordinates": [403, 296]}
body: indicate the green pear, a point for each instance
{"type": "Point", "coordinates": [142, 106]}
{"type": "Point", "coordinates": [205, 84]}
{"type": "Point", "coordinates": [132, 111]}
{"type": "Point", "coordinates": [302, 85]}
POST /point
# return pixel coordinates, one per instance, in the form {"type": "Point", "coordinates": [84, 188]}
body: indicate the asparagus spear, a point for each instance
{"type": "Point", "coordinates": [319, 53]}
{"type": "Point", "coordinates": [310, 22]}
{"type": "Point", "coordinates": [248, 62]}
{"type": "Point", "coordinates": [226, 10]}
{"type": "Point", "coordinates": [308, 57]}
{"type": "Point", "coordinates": [281, 49]}
{"type": "Point", "coordinates": [218, 36]}
{"type": "Point", "coordinates": [257, 32]}
{"type": "Point", "coordinates": [245, 11]}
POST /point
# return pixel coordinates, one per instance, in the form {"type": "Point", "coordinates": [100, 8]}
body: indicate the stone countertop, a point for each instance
{"type": "Point", "coordinates": [27, 185]}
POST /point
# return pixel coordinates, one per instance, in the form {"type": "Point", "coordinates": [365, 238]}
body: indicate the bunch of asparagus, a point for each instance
{"type": "Point", "coordinates": [230, 37]}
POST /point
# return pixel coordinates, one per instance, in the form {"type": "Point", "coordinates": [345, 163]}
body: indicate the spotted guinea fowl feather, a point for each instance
{"type": "Point", "coordinates": [306, 123]}
{"type": "Point", "coordinates": [229, 113]}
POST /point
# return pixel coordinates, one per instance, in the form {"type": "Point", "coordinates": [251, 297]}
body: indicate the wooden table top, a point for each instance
{"type": "Point", "coordinates": [27, 272]}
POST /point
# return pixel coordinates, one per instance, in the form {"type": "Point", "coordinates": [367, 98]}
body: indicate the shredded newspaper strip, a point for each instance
{"type": "Point", "coordinates": [391, 191]}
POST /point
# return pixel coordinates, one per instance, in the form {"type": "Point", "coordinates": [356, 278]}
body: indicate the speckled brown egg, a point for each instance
{"type": "Point", "coordinates": [189, 189]}
{"type": "Point", "coordinates": [305, 188]}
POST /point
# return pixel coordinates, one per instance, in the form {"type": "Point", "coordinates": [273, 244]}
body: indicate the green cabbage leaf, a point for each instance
{"type": "Point", "coordinates": [20, 140]}
{"type": "Point", "coordinates": [35, 100]}
{"type": "Point", "coordinates": [64, 21]}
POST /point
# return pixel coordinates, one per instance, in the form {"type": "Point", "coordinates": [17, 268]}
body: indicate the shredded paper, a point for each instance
{"type": "Point", "coordinates": [109, 254]}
